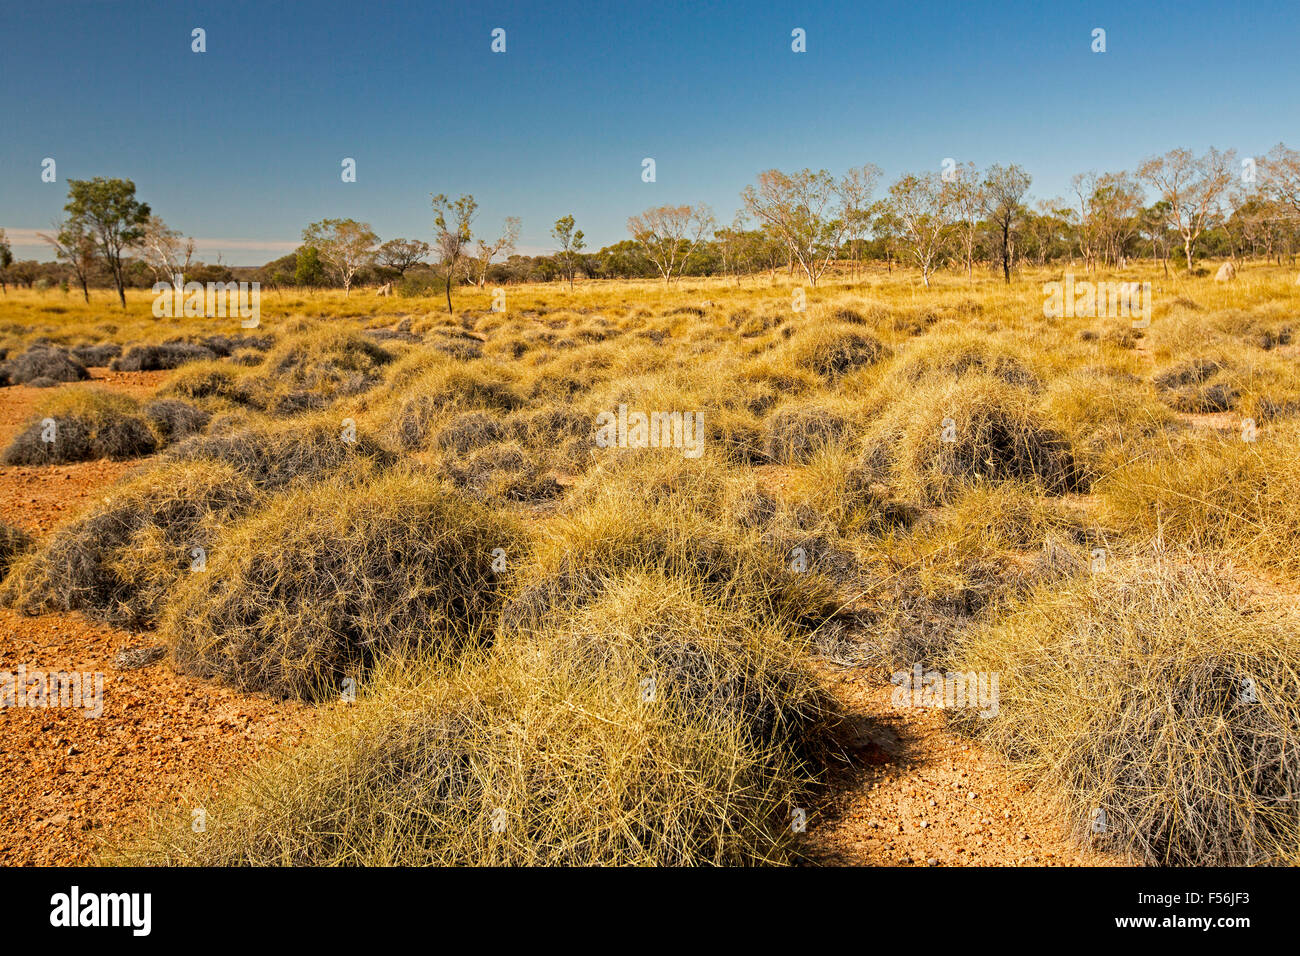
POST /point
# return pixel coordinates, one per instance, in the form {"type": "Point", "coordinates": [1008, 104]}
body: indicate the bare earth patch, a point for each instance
{"type": "Point", "coordinates": [72, 780]}
{"type": "Point", "coordinates": [917, 794]}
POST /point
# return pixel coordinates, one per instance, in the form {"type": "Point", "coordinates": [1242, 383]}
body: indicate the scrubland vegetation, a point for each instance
{"type": "Point", "coordinates": [567, 653]}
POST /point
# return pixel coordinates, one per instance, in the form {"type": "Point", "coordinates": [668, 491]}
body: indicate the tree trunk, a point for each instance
{"type": "Point", "coordinates": [1006, 252]}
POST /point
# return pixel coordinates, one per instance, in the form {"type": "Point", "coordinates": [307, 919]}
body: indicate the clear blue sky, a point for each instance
{"type": "Point", "coordinates": [244, 142]}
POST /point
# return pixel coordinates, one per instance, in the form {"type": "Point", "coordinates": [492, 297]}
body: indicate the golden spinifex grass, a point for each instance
{"type": "Point", "coordinates": [43, 366]}
{"type": "Point", "coordinates": [1214, 491]}
{"type": "Point", "coordinates": [14, 542]}
{"type": "Point", "coordinates": [652, 727]}
{"type": "Point", "coordinates": [81, 424]}
{"type": "Point", "coordinates": [977, 429]}
{"type": "Point", "coordinates": [310, 366]}
{"type": "Point", "coordinates": [1161, 699]}
{"type": "Point", "coordinates": [121, 560]}
{"type": "Point", "coordinates": [327, 578]}
{"type": "Point", "coordinates": [1111, 415]}
{"type": "Point", "coordinates": [274, 453]}
{"type": "Point", "coordinates": [885, 474]}
{"type": "Point", "coordinates": [926, 581]}
{"type": "Point", "coordinates": [686, 521]}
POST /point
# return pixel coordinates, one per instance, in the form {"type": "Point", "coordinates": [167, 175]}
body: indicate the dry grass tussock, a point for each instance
{"type": "Point", "coordinates": [653, 727]}
{"type": "Point", "coordinates": [1162, 701]}
{"type": "Point", "coordinates": [324, 580]}
{"type": "Point", "coordinates": [120, 561]}
{"type": "Point", "coordinates": [83, 424]}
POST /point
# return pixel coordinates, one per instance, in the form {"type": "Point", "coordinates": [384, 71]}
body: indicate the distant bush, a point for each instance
{"type": "Point", "coordinates": [421, 285]}
{"type": "Point", "coordinates": [43, 362]}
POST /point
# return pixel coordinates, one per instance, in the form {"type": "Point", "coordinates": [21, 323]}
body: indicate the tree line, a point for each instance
{"type": "Point", "coordinates": [1172, 208]}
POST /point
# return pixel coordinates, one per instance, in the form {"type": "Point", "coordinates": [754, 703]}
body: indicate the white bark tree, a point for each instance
{"type": "Point", "coordinates": [1193, 188]}
{"type": "Point", "coordinates": [968, 209]}
{"type": "Point", "coordinates": [924, 207]}
{"type": "Point", "coordinates": [1281, 177]}
{"type": "Point", "coordinates": [668, 235]}
{"type": "Point", "coordinates": [345, 246]}
{"type": "Point", "coordinates": [856, 189]}
{"type": "Point", "coordinates": [810, 211]}
{"type": "Point", "coordinates": [165, 250]}
{"type": "Point", "coordinates": [504, 243]}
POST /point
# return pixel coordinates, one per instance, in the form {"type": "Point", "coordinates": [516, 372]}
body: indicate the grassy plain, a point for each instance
{"type": "Point", "coordinates": [567, 653]}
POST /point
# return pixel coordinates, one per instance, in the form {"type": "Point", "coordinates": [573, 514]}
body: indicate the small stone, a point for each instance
{"type": "Point", "coordinates": [133, 658]}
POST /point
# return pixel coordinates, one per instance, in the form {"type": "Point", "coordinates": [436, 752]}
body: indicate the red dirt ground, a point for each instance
{"type": "Point", "coordinates": [72, 782]}
{"type": "Point", "coordinates": [919, 795]}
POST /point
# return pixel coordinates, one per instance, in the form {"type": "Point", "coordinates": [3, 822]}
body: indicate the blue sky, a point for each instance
{"type": "Point", "coordinates": [241, 146]}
